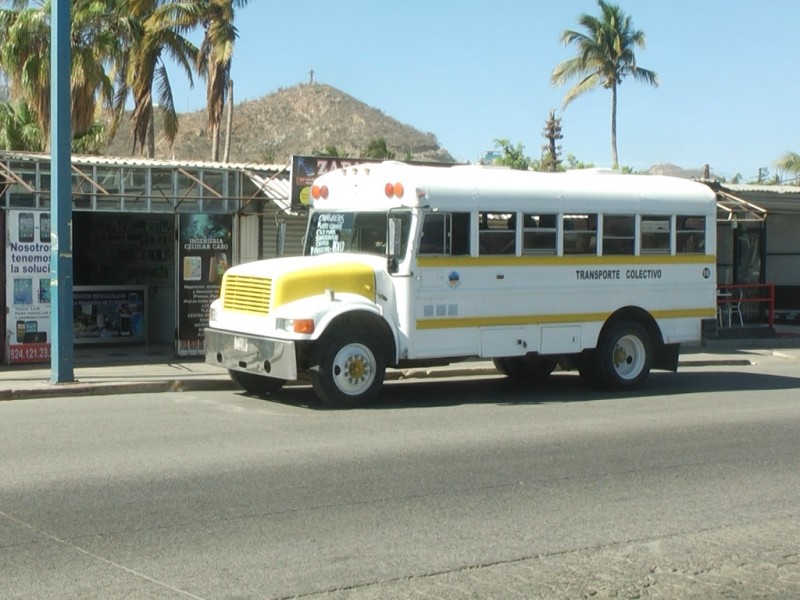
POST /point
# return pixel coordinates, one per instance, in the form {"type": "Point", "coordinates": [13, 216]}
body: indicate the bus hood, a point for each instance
{"type": "Point", "coordinates": [263, 286]}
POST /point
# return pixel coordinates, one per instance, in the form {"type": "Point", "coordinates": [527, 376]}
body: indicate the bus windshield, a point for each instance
{"type": "Point", "coordinates": [364, 232]}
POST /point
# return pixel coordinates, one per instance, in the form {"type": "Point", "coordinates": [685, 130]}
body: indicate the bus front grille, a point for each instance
{"type": "Point", "coordinates": [247, 294]}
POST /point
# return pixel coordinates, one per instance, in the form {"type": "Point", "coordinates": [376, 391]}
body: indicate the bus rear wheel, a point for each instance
{"type": "Point", "coordinates": [526, 368]}
{"type": "Point", "coordinates": [623, 357]}
{"type": "Point", "coordinates": [350, 367]}
{"type": "Point", "coordinates": [255, 384]}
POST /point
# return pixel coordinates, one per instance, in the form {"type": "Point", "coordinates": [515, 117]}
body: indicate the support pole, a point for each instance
{"type": "Point", "coordinates": [61, 352]}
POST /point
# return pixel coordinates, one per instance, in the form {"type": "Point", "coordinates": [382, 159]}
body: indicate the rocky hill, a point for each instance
{"type": "Point", "coordinates": [304, 119]}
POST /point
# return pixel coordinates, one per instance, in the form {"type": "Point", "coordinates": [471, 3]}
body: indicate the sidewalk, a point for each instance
{"type": "Point", "coordinates": [142, 369]}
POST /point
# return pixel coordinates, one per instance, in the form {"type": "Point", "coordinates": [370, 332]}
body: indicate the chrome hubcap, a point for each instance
{"type": "Point", "coordinates": [354, 369]}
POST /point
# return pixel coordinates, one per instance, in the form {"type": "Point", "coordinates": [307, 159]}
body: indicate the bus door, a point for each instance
{"type": "Point", "coordinates": [439, 297]}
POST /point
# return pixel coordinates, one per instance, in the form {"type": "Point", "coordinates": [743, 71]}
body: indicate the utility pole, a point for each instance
{"type": "Point", "coordinates": [61, 345]}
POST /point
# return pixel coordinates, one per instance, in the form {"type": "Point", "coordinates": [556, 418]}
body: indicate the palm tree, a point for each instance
{"type": "Point", "coordinates": [98, 32]}
{"type": "Point", "coordinates": [789, 162]}
{"type": "Point", "coordinates": [19, 129]}
{"type": "Point", "coordinates": [605, 57]}
{"type": "Point", "coordinates": [215, 57]}
{"type": "Point", "coordinates": [24, 58]}
{"type": "Point", "coordinates": [378, 148]}
{"type": "Point", "coordinates": [162, 25]}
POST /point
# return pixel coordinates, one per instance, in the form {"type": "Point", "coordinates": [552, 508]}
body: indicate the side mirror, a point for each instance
{"type": "Point", "coordinates": [391, 265]}
{"type": "Point", "coordinates": [393, 245]}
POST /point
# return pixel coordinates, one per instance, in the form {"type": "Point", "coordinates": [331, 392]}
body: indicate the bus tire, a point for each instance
{"type": "Point", "coordinates": [256, 384]}
{"type": "Point", "coordinates": [526, 368]}
{"type": "Point", "coordinates": [350, 366]}
{"type": "Point", "coordinates": [623, 357]}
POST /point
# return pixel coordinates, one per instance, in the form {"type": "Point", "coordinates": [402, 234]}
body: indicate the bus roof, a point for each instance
{"type": "Point", "coordinates": [479, 187]}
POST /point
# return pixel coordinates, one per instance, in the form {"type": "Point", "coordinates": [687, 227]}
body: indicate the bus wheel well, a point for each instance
{"type": "Point", "coordinates": [370, 322]}
{"type": "Point", "coordinates": [638, 315]}
{"type": "Point", "coordinates": [665, 356]}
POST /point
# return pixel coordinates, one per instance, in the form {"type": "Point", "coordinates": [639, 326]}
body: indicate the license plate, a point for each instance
{"type": "Point", "coordinates": [240, 344]}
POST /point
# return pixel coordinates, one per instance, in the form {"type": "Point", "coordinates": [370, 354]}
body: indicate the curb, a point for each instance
{"type": "Point", "coordinates": [222, 383]}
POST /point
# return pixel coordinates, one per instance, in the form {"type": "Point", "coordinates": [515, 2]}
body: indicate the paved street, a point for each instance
{"type": "Point", "coordinates": [445, 489]}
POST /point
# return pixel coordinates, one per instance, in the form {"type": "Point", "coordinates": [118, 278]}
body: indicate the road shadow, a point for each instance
{"type": "Point", "coordinates": [558, 388]}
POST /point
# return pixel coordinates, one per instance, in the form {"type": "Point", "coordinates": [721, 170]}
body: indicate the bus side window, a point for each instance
{"type": "Point", "coordinates": [460, 234]}
{"type": "Point", "coordinates": [498, 233]}
{"type": "Point", "coordinates": [655, 230]}
{"type": "Point", "coordinates": [690, 235]}
{"type": "Point", "coordinates": [618, 234]}
{"type": "Point", "coordinates": [445, 233]}
{"type": "Point", "coordinates": [580, 234]}
{"type": "Point", "coordinates": [539, 233]}
{"type": "Point", "coordinates": [433, 233]}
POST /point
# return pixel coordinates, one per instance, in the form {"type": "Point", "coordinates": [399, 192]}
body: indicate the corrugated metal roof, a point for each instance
{"type": "Point", "coordinates": [756, 188]}
{"type": "Point", "coordinates": [119, 161]}
{"type": "Point", "coordinates": [776, 199]}
{"type": "Point", "coordinates": [276, 189]}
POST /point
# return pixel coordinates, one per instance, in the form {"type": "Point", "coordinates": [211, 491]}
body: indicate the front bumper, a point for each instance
{"type": "Point", "coordinates": [251, 354]}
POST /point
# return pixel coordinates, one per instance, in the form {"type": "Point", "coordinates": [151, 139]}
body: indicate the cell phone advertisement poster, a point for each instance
{"type": "Point", "coordinates": [205, 254]}
{"type": "Point", "coordinates": [28, 287]}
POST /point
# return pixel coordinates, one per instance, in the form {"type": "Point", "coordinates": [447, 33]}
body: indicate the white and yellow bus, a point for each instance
{"type": "Point", "coordinates": [408, 265]}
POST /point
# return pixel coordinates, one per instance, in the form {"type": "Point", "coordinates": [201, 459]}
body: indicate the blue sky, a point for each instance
{"type": "Point", "coordinates": [471, 71]}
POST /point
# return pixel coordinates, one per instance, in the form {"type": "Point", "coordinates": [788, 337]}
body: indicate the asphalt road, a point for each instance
{"type": "Point", "coordinates": [444, 489]}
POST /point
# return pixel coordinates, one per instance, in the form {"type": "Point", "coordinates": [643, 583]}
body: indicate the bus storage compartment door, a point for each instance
{"type": "Point", "coordinates": [560, 339]}
{"type": "Point", "coordinates": [504, 341]}
{"type": "Point", "coordinates": [252, 354]}
{"type": "Point", "coordinates": [431, 278]}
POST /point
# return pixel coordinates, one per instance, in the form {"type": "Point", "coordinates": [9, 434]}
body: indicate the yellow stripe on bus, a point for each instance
{"type": "Point", "coordinates": [456, 322]}
{"type": "Point", "coordinates": [563, 261]}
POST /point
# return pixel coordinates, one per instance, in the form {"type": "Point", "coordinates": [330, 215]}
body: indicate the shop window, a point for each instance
{"type": "Point", "coordinates": [162, 192]}
{"type": "Point", "coordinates": [188, 192]}
{"type": "Point", "coordinates": [81, 191]}
{"type": "Point", "coordinates": [212, 181]}
{"type": "Point", "coordinates": [110, 202]}
{"type": "Point", "coordinates": [134, 190]}
{"type": "Point", "coordinates": [23, 195]}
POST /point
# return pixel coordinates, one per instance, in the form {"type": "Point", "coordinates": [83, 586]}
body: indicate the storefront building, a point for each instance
{"type": "Point", "coordinates": [758, 244]}
{"type": "Point", "coordinates": [150, 240]}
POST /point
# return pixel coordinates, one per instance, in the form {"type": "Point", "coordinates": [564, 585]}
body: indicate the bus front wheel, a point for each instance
{"type": "Point", "coordinates": [623, 357]}
{"type": "Point", "coordinates": [350, 367]}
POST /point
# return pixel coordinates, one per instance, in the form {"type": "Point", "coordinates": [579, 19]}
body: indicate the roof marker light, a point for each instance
{"type": "Point", "coordinates": [318, 192]}
{"type": "Point", "coordinates": [396, 189]}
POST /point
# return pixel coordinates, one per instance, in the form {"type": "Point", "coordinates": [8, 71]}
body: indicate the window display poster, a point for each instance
{"type": "Point", "coordinates": [205, 254]}
{"type": "Point", "coordinates": [28, 286]}
{"type": "Point", "coordinates": [108, 313]}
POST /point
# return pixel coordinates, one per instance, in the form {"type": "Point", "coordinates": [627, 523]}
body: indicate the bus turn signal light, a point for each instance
{"type": "Point", "coordinates": [304, 325]}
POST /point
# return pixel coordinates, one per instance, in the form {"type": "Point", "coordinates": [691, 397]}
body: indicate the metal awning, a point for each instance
{"type": "Point", "coordinates": [275, 186]}
{"type": "Point", "coordinates": [733, 208]}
